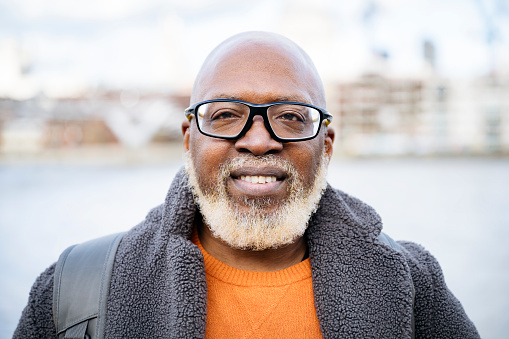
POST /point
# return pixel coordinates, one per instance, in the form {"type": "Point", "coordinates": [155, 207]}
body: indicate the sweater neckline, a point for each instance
{"type": "Point", "coordinates": [238, 277]}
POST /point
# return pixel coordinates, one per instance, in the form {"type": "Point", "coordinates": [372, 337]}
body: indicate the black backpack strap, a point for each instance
{"type": "Point", "coordinates": [384, 238]}
{"type": "Point", "coordinates": [81, 285]}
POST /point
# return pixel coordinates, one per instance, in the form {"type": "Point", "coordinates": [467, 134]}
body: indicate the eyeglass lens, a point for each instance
{"type": "Point", "coordinates": [286, 120]}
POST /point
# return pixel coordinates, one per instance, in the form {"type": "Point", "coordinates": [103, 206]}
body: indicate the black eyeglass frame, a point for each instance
{"type": "Point", "coordinates": [259, 109]}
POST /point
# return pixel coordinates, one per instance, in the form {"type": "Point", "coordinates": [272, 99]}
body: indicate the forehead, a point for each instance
{"type": "Point", "coordinates": [259, 73]}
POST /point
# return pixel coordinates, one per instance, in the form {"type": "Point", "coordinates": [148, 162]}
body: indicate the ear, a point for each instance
{"type": "Point", "coordinates": [329, 140]}
{"type": "Point", "coordinates": [186, 125]}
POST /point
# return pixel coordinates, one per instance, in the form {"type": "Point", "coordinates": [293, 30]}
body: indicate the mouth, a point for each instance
{"type": "Point", "coordinates": [253, 181]}
{"type": "Point", "coordinates": [258, 179]}
{"type": "Point", "coordinates": [256, 175]}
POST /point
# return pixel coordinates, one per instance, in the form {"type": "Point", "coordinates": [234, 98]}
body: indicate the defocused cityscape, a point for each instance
{"type": "Point", "coordinates": [380, 106]}
{"type": "Point", "coordinates": [374, 114]}
{"type": "Point", "coordinates": [422, 116]}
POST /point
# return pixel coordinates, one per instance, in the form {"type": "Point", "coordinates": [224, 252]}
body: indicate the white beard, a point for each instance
{"type": "Point", "coordinates": [258, 229]}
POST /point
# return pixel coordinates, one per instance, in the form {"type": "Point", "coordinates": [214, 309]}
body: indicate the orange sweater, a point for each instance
{"type": "Point", "coordinates": [247, 304]}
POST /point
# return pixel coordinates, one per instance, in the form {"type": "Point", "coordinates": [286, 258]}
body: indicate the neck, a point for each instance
{"type": "Point", "coordinates": [265, 260]}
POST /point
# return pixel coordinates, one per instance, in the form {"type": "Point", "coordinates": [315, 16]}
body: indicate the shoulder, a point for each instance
{"type": "Point", "coordinates": [37, 318]}
{"type": "Point", "coordinates": [437, 311]}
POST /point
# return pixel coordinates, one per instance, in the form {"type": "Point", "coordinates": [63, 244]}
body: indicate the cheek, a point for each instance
{"type": "Point", "coordinates": [207, 155]}
{"type": "Point", "coordinates": [197, 147]}
{"type": "Point", "coordinates": [306, 159]}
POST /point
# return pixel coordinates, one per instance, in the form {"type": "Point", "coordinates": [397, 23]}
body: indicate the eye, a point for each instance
{"type": "Point", "coordinates": [290, 116]}
{"type": "Point", "coordinates": [224, 114]}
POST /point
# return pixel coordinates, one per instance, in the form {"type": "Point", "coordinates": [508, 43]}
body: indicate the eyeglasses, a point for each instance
{"type": "Point", "coordinates": [284, 120]}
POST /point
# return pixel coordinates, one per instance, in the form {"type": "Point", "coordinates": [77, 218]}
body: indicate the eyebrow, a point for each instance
{"type": "Point", "coordinates": [276, 99]}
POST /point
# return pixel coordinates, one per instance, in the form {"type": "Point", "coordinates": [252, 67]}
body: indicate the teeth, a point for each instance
{"type": "Point", "coordinates": [257, 179]}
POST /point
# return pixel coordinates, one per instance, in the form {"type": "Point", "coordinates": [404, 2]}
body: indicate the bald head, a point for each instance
{"type": "Point", "coordinates": [258, 60]}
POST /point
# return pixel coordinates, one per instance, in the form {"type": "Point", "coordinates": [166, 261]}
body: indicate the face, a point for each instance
{"type": "Point", "coordinates": [257, 75]}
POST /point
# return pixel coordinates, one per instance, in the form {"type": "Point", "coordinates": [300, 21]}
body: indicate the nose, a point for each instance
{"type": "Point", "coordinates": [257, 140]}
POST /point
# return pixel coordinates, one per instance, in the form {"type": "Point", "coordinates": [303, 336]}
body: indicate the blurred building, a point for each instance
{"type": "Point", "coordinates": [374, 115]}
{"type": "Point", "coordinates": [130, 119]}
{"type": "Point", "coordinates": [379, 115]}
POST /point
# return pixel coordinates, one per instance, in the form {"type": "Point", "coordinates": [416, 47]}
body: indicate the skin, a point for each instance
{"type": "Point", "coordinates": [259, 68]}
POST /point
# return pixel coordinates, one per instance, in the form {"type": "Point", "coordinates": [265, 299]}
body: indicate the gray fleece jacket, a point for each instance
{"type": "Point", "coordinates": [362, 287]}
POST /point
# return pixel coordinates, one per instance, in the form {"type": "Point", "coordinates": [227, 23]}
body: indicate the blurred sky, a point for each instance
{"type": "Point", "coordinates": [62, 47]}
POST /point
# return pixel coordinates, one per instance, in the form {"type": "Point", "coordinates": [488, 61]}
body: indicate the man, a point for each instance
{"type": "Point", "coordinates": [251, 242]}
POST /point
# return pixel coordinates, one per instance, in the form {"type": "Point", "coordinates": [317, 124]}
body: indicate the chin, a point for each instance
{"type": "Point", "coordinates": [258, 223]}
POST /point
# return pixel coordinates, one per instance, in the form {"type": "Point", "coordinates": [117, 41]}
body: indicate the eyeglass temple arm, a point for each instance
{"type": "Point", "coordinates": [328, 119]}
{"type": "Point", "coordinates": [189, 112]}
